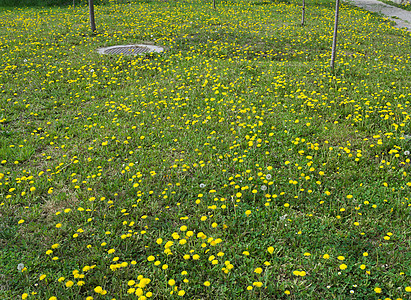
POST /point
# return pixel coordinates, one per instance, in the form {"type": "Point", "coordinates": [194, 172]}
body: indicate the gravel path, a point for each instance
{"type": "Point", "coordinates": [392, 12]}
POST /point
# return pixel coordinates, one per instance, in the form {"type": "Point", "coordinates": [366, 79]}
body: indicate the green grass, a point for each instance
{"type": "Point", "coordinates": [234, 165]}
{"type": "Point", "coordinates": [25, 3]}
{"type": "Point", "coordinates": [49, 3]}
{"type": "Point", "coordinates": [406, 6]}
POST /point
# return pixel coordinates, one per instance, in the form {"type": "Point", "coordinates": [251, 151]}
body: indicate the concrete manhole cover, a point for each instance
{"type": "Point", "coordinates": [130, 49]}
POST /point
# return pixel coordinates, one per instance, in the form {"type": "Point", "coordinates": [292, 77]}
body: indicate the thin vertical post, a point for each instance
{"type": "Point", "coordinates": [214, 4]}
{"type": "Point", "coordinates": [303, 15]}
{"type": "Point", "coordinates": [337, 6]}
{"type": "Point", "coordinates": [92, 20]}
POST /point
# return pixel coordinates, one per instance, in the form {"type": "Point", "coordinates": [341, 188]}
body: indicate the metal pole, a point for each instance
{"type": "Point", "coordinates": [303, 16]}
{"type": "Point", "coordinates": [337, 5]}
{"type": "Point", "coordinates": [214, 4]}
{"type": "Point", "coordinates": [92, 20]}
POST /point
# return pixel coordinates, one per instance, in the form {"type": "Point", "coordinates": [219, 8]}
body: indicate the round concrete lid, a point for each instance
{"type": "Point", "coordinates": [130, 49]}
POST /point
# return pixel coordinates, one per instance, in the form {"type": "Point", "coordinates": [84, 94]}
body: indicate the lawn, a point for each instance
{"type": "Point", "coordinates": [406, 6]}
{"type": "Point", "coordinates": [234, 165]}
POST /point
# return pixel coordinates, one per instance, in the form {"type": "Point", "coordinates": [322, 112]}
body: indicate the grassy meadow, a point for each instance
{"type": "Point", "coordinates": [406, 6]}
{"type": "Point", "coordinates": [234, 165]}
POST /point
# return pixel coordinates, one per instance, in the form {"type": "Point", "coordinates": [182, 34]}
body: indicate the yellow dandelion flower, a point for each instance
{"type": "Point", "coordinates": [69, 283]}
{"type": "Point", "coordinates": [171, 282]}
{"type": "Point", "coordinates": [139, 292]}
{"type": "Point", "coordinates": [131, 282]}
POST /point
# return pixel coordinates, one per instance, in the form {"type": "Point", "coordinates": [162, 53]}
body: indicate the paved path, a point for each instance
{"type": "Point", "coordinates": [385, 9]}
